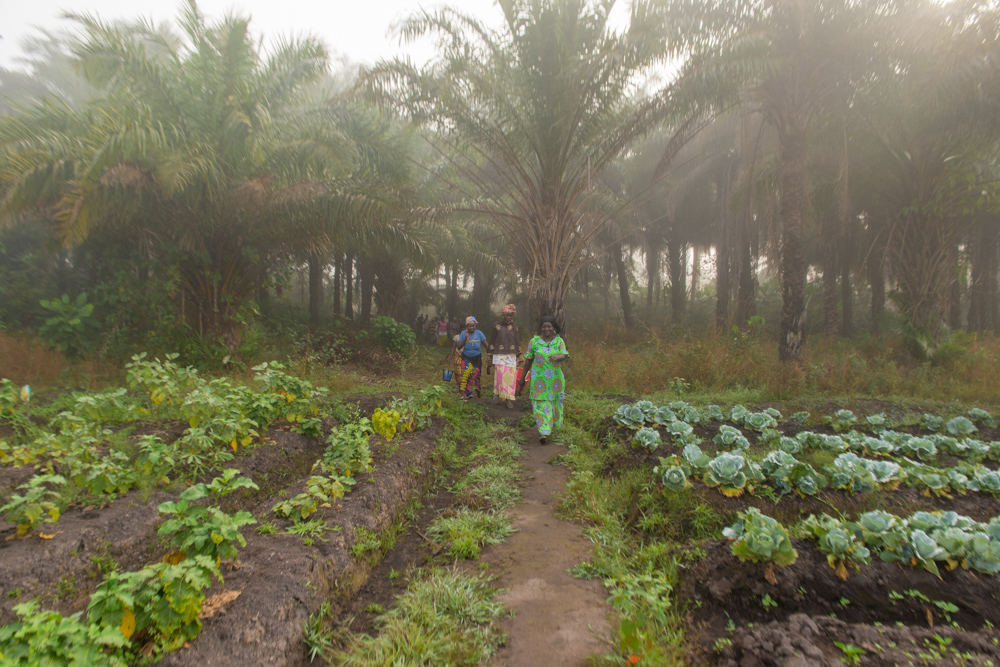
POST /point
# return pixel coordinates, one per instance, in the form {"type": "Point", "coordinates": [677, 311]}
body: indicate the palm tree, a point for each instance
{"type": "Point", "coordinates": [187, 144]}
{"type": "Point", "coordinates": [789, 60]}
{"type": "Point", "coordinates": [529, 116]}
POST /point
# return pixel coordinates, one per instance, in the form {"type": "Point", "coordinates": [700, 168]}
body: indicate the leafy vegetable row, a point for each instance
{"type": "Point", "coordinates": [924, 539]}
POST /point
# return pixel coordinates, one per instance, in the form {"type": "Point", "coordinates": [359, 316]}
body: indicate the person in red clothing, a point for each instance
{"type": "Point", "coordinates": [504, 349]}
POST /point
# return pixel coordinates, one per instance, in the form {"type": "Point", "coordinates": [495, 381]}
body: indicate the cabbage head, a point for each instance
{"type": "Point", "coordinates": [630, 416]}
{"type": "Point", "coordinates": [647, 438]}
{"type": "Point", "coordinates": [662, 416]}
{"type": "Point", "coordinates": [983, 553]}
{"type": "Point", "coordinates": [932, 422]}
{"type": "Point", "coordinates": [680, 431]}
{"type": "Point", "coordinates": [789, 445]}
{"type": "Point", "coordinates": [850, 473]}
{"type": "Point", "coordinates": [726, 471]}
{"type": "Point", "coordinates": [712, 413]}
{"type": "Point", "coordinates": [981, 416]}
{"type": "Point", "coordinates": [691, 415]}
{"type": "Point", "coordinates": [960, 427]}
{"type": "Point", "coordinates": [774, 414]}
{"type": "Point", "coordinates": [842, 420]}
{"type": "Point", "coordinates": [761, 539]}
{"type": "Point", "coordinates": [881, 531]}
{"type": "Point", "coordinates": [759, 421]}
{"type": "Point", "coordinates": [800, 418]}
{"type": "Point", "coordinates": [805, 480]}
{"type": "Point", "coordinates": [878, 423]}
{"type": "Point", "coordinates": [696, 459]}
{"type": "Point", "coordinates": [678, 406]}
{"type": "Point", "coordinates": [926, 551]}
{"type": "Point", "coordinates": [646, 406]}
{"type": "Point", "coordinates": [922, 448]}
{"type": "Point", "coordinates": [673, 478]}
{"type": "Point", "coordinates": [738, 413]}
{"type": "Point", "coordinates": [727, 436]}
{"type": "Point", "coordinates": [878, 447]}
{"type": "Point", "coordinates": [989, 482]}
{"type": "Point", "coordinates": [887, 474]}
{"type": "Point", "coordinates": [948, 444]}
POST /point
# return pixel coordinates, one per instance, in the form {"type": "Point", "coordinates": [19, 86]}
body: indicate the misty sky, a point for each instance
{"type": "Point", "coordinates": [357, 29]}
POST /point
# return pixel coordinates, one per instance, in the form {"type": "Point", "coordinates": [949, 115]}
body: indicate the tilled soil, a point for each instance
{"type": "Point", "coordinates": [63, 571]}
{"type": "Point", "coordinates": [815, 609]}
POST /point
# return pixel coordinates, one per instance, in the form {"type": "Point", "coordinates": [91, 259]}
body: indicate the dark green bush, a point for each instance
{"type": "Point", "coordinates": [394, 336]}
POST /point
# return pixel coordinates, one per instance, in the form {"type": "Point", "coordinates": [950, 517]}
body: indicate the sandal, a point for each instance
{"type": "Point", "coordinates": [510, 404]}
{"type": "Point", "coordinates": [542, 440]}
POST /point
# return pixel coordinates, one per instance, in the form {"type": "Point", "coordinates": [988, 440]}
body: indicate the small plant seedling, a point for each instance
{"type": "Point", "coordinates": [730, 626]}
{"type": "Point", "coordinates": [894, 596]}
{"type": "Point", "coordinates": [947, 608]}
{"type": "Point", "coordinates": [768, 602]}
{"type": "Point", "coordinates": [721, 644]}
{"type": "Point", "coordinates": [375, 608]}
{"type": "Point", "coordinates": [394, 574]}
{"type": "Point", "coordinates": [267, 528]}
{"type": "Point", "coordinates": [844, 602]}
{"type": "Point", "coordinates": [917, 595]}
{"type": "Point", "coordinates": [852, 653]}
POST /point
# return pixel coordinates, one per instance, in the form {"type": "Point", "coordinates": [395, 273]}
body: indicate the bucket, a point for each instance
{"type": "Point", "coordinates": [520, 374]}
{"type": "Point", "coordinates": [446, 374]}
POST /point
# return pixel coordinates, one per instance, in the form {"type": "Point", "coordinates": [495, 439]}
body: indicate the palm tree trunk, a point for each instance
{"type": "Point", "coordinates": [722, 286]}
{"type": "Point", "coordinates": [676, 256]}
{"type": "Point", "coordinates": [623, 286]}
{"type": "Point", "coordinates": [955, 291]}
{"type": "Point", "coordinates": [652, 271]}
{"type": "Point", "coordinates": [983, 287]}
{"type": "Point", "coordinates": [366, 275]}
{"type": "Point", "coordinates": [829, 278]}
{"type": "Point", "coordinates": [846, 298]}
{"type": "Point", "coordinates": [695, 270]}
{"type": "Point", "coordinates": [746, 298]}
{"type": "Point", "coordinates": [338, 281]}
{"type": "Point", "coordinates": [317, 266]}
{"type": "Point", "coordinates": [452, 291]}
{"type": "Point", "coordinates": [349, 289]}
{"type": "Point", "coordinates": [876, 276]}
{"type": "Point", "coordinates": [791, 340]}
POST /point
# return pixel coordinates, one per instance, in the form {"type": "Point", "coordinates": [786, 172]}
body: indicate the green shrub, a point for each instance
{"type": "Point", "coordinates": [72, 325]}
{"type": "Point", "coordinates": [392, 335]}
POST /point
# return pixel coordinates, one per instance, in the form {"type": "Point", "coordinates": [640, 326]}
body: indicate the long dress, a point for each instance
{"type": "Point", "coordinates": [471, 362]}
{"type": "Point", "coordinates": [548, 385]}
{"type": "Point", "coordinates": [504, 347]}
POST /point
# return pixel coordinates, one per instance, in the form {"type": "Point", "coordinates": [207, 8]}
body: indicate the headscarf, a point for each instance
{"type": "Point", "coordinates": [552, 321]}
{"type": "Point", "coordinates": [471, 320]}
{"type": "Point", "coordinates": [509, 308]}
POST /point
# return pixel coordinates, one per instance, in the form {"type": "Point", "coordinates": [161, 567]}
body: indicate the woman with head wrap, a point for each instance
{"type": "Point", "coordinates": [504, 348]}
{"type": "Point", "coordinates": [470, 342]}
{"type": "Point", "coordinates": [544, 356]}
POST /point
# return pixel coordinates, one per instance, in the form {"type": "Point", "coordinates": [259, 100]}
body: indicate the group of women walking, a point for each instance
{"type": "Point", "coordinates": [542, 366]}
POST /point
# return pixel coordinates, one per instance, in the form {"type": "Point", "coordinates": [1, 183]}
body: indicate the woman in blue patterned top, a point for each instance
{"type": "Point", "coordinates": [470, 342]}
{"type": "Point", "coordinates": [544, 357]}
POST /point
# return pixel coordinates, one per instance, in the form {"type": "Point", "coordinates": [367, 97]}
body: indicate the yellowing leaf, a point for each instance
{"type": "Point", "coordinates": [45, 536]}
{"type": "Point", "coordinates": [174, 557]}
{"type": "Point", "coordinates": [195, 421]}
{"type": "Point", "coordinates": [233, 445]}
{"type": "Point", "coordinates": [128, 624]}
{"type": "Point", "coordinates": [247, 439]}
{"type": "Point", "coordinates": [157, 398]}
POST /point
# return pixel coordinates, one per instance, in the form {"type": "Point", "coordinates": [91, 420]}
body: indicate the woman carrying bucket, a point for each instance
{"type": "Point", "coordinates": [470, 342]}
{"type": "Point", "coordinates": [504, 348]}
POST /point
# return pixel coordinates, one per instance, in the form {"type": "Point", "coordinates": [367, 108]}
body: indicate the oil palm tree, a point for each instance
{"type": "Point", "coordinates": [529, 116]}
{"type": "Point", "coordinates": [187, 145]}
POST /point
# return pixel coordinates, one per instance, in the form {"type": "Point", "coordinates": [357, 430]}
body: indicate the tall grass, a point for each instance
{"type": "Point", "coordinates": [870, 367]}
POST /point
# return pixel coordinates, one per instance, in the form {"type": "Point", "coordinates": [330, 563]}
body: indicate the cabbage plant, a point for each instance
{"type": "Point", "coordinates": [690, 414]}
{"type": "Point", "coordinates": [730, 436]}
{"type": "Point", "coordinates": [696, 459]}
{"type": "Point", "coordinates": [712, 413]}
{"type": "Point", "coordinates": [850, 473]}
{"type": "Point", "coordinates": [878, 423]}
{"type": "Point", "coordinates": [673, 477]}
{"type": "Point", "coordinates": [630, 416]}
{"type": "Point", "coordinates": [662, 416]}
{"type": "Point", "coordinates": [800, 418]}
{"type": "Point", "coordinates": [888, 475]}
{"type": "Point", "coordinates": [838, 541]}
{"type": "Point", "coordinates": [932, 422]}
{"type": "Point", "coordinates": [981, 416]}
{"type": "Point", "coordinates": [759, 538]}
{"type": "Point", "coordinates": [841, 420]}
{"type": "Point", "coordinates": [988, 481]}
{"type": "Point", "coordinates": [647, 438]}
{"type": "Point", "coordinates": [681, 432]}
{"type": "Point", "coordinates": [759, 421]}
{"type": "Point", "coordinates": [789, 445]}
{"type": "Point", "coordinates": [731, 473]}
{"type": "Point", "coordinates": [922, 448]}
{"type": "Point", "coordinates": [960, 427]}
{"type": "Point", "coordinates": [738, 413]}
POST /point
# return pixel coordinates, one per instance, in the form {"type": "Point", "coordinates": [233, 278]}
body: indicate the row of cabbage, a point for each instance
{"type": "Point", "coordinates": [733, 473]}
{"type": "Point", "coordinates": [928, 540]}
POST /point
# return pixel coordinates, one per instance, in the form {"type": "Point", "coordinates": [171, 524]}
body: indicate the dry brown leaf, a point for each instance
{"type": "Point", "coordinates": [769, 574]}
{"type": "Point", "coordinates": [217, 603]}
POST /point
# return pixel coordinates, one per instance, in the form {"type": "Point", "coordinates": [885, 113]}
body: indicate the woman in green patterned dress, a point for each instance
{"type": "Point", "coordinates": [544, 357]}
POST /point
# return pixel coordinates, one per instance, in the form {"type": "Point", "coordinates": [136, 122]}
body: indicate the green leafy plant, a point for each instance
{"type": "Point", "coordinates": [39, 504]}
{"type": "Point", "coordinates": [672, 476]}
{"type": "Point", "coordinates": [394, 336]}
{"type": "Point", "coordinates": [759, 538]}
{"type": "Point", "coordinates": [71, 326]}
{"type": "Point", "coordinates": [40, 637]}
{"type": "Point", "coordinates": [647, 438]}
{"type": "Point", "coordinates": [729, 436]}
{"type": "Point", "coordinates": [852, 654]}
{"type": "Point", "coordinates": [732, 473]}
{"type": "Point", "coordinates": [841, 420]}
{"type": "Point", "coordinates": [198, 530]}
{"type": "Point", "coordinates": [630, 416]}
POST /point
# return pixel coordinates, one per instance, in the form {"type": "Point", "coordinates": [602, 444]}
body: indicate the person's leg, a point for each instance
{"type": "Point", "coordinates": [557, 413]}
{"type": "Point", "coordinates": [542, 411]}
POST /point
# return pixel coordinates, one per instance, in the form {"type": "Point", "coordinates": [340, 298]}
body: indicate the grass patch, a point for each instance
{"type": "Point", "coordinates": [469, 531]}
{"type": "Point", "coordinates": [447, 618]}
{"type": "Point", "coordinates": [491, 485]}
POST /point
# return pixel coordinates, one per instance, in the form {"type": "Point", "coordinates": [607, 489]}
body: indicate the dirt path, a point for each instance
{"type": "Point", "coordinates": [559, 620]}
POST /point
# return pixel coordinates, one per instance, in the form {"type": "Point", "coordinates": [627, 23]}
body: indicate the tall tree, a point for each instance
{"type": "Point", "coordinates": [530, 115]}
